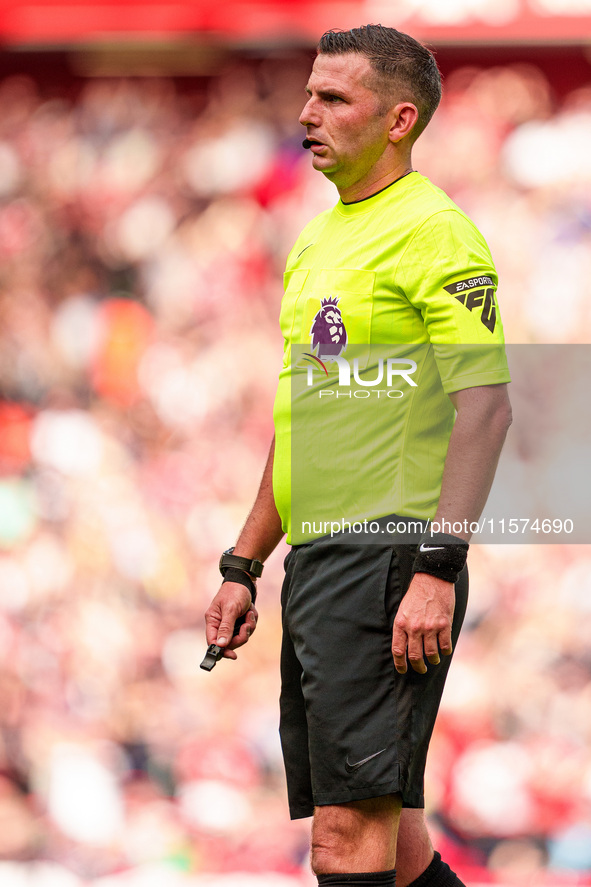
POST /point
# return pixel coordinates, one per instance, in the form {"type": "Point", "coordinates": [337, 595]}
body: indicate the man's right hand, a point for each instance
{"type": "Point", "coordinates": [232, 601]}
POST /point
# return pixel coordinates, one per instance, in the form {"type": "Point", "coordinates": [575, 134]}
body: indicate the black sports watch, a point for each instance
{"type": "Point", "coordinates": [254, 567]}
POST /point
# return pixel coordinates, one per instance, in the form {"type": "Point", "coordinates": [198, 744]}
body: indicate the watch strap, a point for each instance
{"type": "Point", "coordinates": [250, 565]}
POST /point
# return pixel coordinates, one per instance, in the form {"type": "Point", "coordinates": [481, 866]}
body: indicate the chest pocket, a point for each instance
{"type": "Point", "coordinates": [339, 305]}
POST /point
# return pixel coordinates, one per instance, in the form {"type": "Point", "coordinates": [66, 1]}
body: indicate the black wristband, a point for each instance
{"type": "Point", "coordinates": [233, 574]}
{"type": "Point", "coordinates": [441, 555]}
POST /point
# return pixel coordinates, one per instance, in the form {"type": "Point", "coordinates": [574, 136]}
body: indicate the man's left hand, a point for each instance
{"type": "Point", "coordinates": [422, 628]}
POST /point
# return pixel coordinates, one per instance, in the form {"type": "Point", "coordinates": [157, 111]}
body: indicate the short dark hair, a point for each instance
{"type": "Point", "coordinates": [399, 61]}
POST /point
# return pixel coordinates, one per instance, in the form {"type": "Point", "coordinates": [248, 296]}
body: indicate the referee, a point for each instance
{"type": "Point", "coordinates": [369, 627]}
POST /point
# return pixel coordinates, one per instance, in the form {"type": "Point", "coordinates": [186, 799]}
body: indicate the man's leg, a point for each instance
{"type": "Point", "coordinates": [416, 863]}
{"type": "Point", "coordinates": [414, 850]}
{"type": "Point", "coordinates": [358, 837]}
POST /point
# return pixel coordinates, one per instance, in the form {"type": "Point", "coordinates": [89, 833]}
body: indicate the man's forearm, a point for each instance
{"type": "Point", "coordinates": [262, 531]}
{"type": "Point", "coordinates": [259, 536]}
{"type": "Point", "coordinates": [483, 418]}
{"type": "Point", "coordinates": [422, 628]}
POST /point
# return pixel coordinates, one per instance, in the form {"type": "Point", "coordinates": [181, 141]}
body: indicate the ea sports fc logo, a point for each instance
{"type": "Point", "coordinates": [328, 331]}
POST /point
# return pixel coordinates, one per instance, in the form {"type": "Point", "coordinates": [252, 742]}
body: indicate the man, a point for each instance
{"type": "Point", "coordinates": [394, 263]}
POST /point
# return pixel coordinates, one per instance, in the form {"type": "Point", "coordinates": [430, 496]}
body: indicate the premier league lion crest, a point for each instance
{"type": "Point", "coordinates": [328, 331]}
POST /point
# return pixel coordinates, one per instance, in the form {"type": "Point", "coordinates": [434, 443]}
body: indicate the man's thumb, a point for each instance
{"type": "Point", "coordinates": [225, 629]}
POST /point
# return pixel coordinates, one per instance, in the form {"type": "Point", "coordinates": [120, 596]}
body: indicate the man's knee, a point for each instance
{"type": "Point", "coordinates": [355, 837]}
{"type": "Point", "coordinates": [414, 850]}
{"type": "Point", "coordinates": [327, 849]}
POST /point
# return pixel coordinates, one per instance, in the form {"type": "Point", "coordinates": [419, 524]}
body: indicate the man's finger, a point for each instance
{"type": "Point", "coordinates": [226, 629]}
{"type": "Point", "coordinates": [211, 631]}
{"type": "Point", "coordinates": [245, 632]}
{"type": "Point", "coordinates": [415, 654]}
{"type": "Point", "coordinates": [399, 642]}
{"type": "Point", "coordinates": [431, 649]}
{"type": "Point", "coordinates": [212, 623]}
{"type": "Point", "coordinates": [445, 642]}
{"type": "Point", "coordinates": [226, 636]}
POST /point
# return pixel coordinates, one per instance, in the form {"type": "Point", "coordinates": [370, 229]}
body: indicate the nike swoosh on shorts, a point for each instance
{"type": "Point", "coordinates": [431, 547]}
{"type": "Point", "coordinates": [350, 768]}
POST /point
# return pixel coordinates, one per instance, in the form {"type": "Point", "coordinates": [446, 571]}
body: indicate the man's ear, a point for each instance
{"type": "Point", "coordinates": [405, 117]}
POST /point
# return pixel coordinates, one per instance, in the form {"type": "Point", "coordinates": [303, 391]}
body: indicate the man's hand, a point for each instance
{"type": "Point", "coordinates": [422, 627]}
{"type": "Point", "coordinates": [232, 601]}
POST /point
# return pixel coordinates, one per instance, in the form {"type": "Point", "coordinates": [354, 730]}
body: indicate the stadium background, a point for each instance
{"type": "Point", "coordinates": [151, 184]}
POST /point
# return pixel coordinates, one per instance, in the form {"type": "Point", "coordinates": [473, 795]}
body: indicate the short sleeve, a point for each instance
{"type": "Point", "coordinates": [447, 273]}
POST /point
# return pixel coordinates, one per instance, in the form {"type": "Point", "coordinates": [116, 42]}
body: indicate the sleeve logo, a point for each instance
{"type": "Point", "coordinates": [465, 292]}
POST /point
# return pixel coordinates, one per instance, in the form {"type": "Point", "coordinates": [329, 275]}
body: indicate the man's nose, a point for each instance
{"type": "Point", "coordinates": [309, 115]}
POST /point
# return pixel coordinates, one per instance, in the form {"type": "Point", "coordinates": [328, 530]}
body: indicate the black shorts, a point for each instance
{"type": "Point", "coordinates": [351, 726]}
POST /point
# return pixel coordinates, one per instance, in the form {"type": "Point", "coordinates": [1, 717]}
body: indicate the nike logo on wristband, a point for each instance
{"type": "Point", "coordinates": [350, 768]}
{"type": "Point", "coordinates": [425, 548]}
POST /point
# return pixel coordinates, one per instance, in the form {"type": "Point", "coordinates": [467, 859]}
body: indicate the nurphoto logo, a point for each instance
{"type": "Point", "coordinates": [391, 370]}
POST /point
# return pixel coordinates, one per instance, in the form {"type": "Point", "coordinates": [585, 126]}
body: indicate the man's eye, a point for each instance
{"type": "Point", "coordinates": [333, 98]}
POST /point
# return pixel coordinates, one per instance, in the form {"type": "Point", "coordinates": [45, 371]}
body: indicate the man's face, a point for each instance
{"type": "Point", "coordinates": [342, 120]}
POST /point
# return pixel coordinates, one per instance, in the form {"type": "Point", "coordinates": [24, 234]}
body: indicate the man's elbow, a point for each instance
{"type": "Point", "coordinates": [495, 412]}
{"type": "Point", "coordinates": [503, 416]}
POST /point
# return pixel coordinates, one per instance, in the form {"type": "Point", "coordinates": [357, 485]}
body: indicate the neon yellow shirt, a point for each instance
{"type": "Point", "coordinates": [372, 288]}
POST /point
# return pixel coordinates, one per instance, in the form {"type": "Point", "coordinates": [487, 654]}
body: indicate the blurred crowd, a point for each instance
{"type": "Point", "coordinates": [143, 230]}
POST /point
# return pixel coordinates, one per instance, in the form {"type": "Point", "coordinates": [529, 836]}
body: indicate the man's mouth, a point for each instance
{"type": "Point", "coordinates": [313, 143]}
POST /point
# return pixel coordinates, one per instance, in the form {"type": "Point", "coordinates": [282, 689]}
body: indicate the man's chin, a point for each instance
{"type": "Point", "coordinates": [324, 165]}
